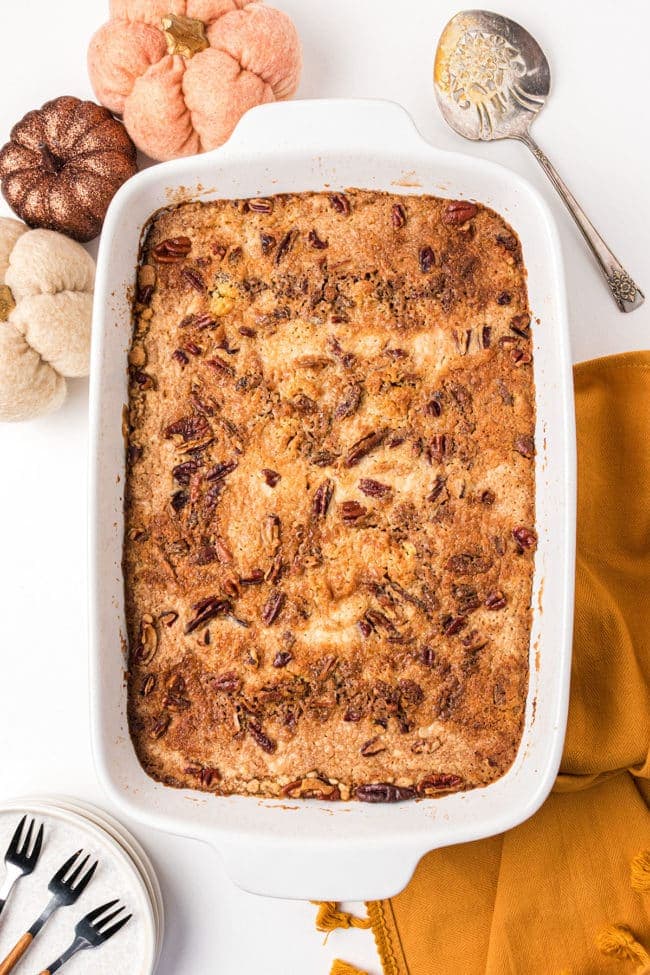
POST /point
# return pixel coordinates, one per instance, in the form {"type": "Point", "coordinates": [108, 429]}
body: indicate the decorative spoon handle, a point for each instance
{"type": "Point", "coordinates": [625, 292]}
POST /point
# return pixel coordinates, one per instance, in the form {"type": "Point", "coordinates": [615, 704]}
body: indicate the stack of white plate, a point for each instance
{"type": "Point", "coordinates": [124, 872]}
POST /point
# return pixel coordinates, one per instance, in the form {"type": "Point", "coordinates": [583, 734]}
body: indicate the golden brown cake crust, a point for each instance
{"type": "Point", "coordinates": [330, 497]}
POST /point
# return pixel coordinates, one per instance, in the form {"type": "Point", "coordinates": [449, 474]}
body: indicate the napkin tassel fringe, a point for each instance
{"type": "Point", "coordinates": [618, 942]}
{"type": "Point", "coordinates": [344, 968]}
{"type": "Point", "coordinates": [640, 872]}
{"type": "Point", "coordinates": [329, 918]}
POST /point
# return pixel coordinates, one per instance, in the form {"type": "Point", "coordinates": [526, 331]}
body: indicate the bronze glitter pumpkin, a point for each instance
{"type": "Point", "coordinates": [63, 164]}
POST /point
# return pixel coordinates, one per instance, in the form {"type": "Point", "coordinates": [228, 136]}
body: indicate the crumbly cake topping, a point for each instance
{"type": "Point", "coordinates": [330, 496]}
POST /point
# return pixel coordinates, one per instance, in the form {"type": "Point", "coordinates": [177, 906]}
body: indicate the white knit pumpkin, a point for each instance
{"type": "Point", "coordinates": [46, 296]}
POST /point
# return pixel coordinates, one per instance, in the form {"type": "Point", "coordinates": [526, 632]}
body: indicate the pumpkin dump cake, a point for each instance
{"type": "Point", "coordinates": [330, 497]}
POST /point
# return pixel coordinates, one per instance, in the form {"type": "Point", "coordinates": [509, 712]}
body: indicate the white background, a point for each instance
{"type": "Point", "coordinates": [595, 129]}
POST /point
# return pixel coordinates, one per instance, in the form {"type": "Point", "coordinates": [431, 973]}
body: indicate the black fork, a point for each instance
{"type": "Point", "coordinates": [66, 886]}
{"type": "Point", "coordinates": [92, 931]}
{"type": "Point", "coordinates": [21, 857]}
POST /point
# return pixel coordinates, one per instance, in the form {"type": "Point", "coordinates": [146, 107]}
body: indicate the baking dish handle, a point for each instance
{"type": "Point", "coordinates": [345, 123]}
{"type": "Point", "coordinates": [318, 871]}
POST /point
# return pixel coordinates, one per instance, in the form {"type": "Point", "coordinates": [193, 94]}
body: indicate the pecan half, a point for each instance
{"type": "Point", "coordinates": [172, 250]}
{"type": "Point", "coordinates": [458, 212]}
{"type": "Point", "coordinates": [374, 489]}
{"type": "Point", "coordinates": [383, 792]}
{"type": "Point", "coordinates": [148, 640]}
{"type": "Point", "coordinates": [221, 470]}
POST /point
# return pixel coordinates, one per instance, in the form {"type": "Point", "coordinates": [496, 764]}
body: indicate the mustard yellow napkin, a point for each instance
{"type": "Point", "coordinates": [569, 890]}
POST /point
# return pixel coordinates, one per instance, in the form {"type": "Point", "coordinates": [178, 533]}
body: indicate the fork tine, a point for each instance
{"type": "Point", "coordinates": [36, 852]}
{"type": "Point", "coordinates": [66, 866]}
{"type": "Point", "coordinates": [27, 841]}
{"type": "Point", "coordinates": [116, 927]}
{"type": "Point", "coordinates": [75, 873]}
{"type": "Point", "coordinates": [100, 910]}
{"type": "Point", "coordinates": [15, 839]}
{"type": "Point", "coordinates": [101, 924]}
{"type": "Point", "coordinates": [85, 880]}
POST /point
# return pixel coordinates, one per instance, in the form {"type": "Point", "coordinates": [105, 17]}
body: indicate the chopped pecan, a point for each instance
{"type": "Point", "coordinates": [219, 365]}
{"type": "Point", "coordinates": [520, 325]}
{"type": "Point", "coordinates": [254, 579]}
{"type": "Point", "coordinates": [172, 250]}
{"type": "Point", "coordinates": [352, 511]}
{"type": "Point", "coordinates": [340, 203]}
{"type": "Point", "coordinates": [398, 216]}
{"type": "Point", "coordinates": [525, 445]}
{"type": "Point", "coordinates": [374, 746]}
{"type": "Point", "coordinates": [350, 402]}
{"type": "Point", "coordinates": [426, 259]}
{"type": "Point", "coordinates": [466, 598]}
{"type": "Point", "coordinates": [261, 738]}
{"type": "Point", "coordinates": [526, 537]}
{"type": "Point", "coordinates": [496, 599]}
{"type": "Point", "coordinates": [437, 489]}
{"type": "Point", "coordinates": [282, 658]}
{"type": "Point", "coordinates": [189, 428]}
{"type": "Point", "coordinates": [148, 685]}
{"type": "Point", "coordinates": [364, 446]}
{"type": "Point", "coordinates": [365, 628]}
{"type": "Point", "coordinates": [383, 792]}
{"type": "Point", "coordinates": [220, 471]}
{"type": "Point", "coordinates": [273, 607]}
{"type": "Point", "coordinates": [462, 339]}
{"type": "Point", "coordinates": [271, 477]}
{"type": "Point", "coordinates": [208, 776]}
{"type": "Point", "coordinates": [260, 205]}
{"type": "Point", "coordinates": [486, 336]}
{"type": "Point", "coordinates": [285, 246]}
{"type": "Point", "coordinates": [229, 683]}
{"type": "Point", "coordinates": [438, 447]}
{"type": "Point", "coordinates": [322, 498]}
{"type": "Point", "coordinates": [467, 563]}
{"type": "Point", "coordinates": [206, 610]}
{"type": "Point", "coordinates": [504, 298]}
{"type": "Point", "coordinates": [160, 726]}
{"type": "Point", "coordinates": [434, 406]}
{"type": "Point", "coordinates": [316, 242]}
{"type": "Point", "coordinates": [179, 500]}
{"type": "Point", "coordinates": [311, 788]}
{"type": "Point", "coordinates": [267, 242]}
{"type": "Point", "coordinates": [183, 472]}
{"type": "Point", "coordinates": [434, 784]}
{"type": "Point", "coordinates": [411, 691]}
{"type": "Point", "coordinates": [148, 640]}
{"type": "Point", "coordinates": [453, 625]}
{"type": "Point", "coordinates": [194, 279]}
{"type": "Point", "coordinates": [304, 403]}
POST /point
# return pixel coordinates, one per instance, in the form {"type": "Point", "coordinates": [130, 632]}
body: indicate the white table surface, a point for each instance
{"type": "Point", "coordinates": [595, 130]}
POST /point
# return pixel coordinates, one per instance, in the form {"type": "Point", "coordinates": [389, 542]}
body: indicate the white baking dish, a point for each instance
{"type": "Point", "coordinates": [310, 849]}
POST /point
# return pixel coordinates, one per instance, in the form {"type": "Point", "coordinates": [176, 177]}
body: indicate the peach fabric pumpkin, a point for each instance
{"type": "Point", "coordinates": [181, 73]}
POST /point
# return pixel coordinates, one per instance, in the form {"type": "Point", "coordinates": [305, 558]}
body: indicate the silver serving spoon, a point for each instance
{"type": "Point", "coordinates": [491, 79]}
